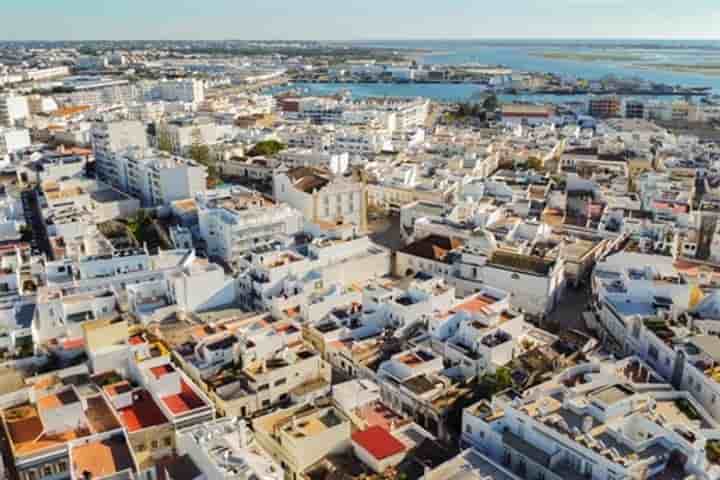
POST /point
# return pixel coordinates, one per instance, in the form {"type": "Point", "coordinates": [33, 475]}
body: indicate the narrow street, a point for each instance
{"type": "Point", "coordinates": [568, 313]}
{"type": "Point", "coordinates": [33, 218]}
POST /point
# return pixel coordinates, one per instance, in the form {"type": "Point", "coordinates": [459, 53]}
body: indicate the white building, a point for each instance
{"type": "Point", "coordinates": [156, 178]}
{"type": "Point", "coordinates": [600, 429]}
{"type": "Point", "coordinates": [13, 140]}
{"type": "Point", "coordinates": [225, 449]}
{"type": "Point", "coordinates": [13, 109]}
{"type": "Point", "coordinates": [188, 91]}
{"type": "Point", "coordinates": [110, 139]}
{"type": "Point", "coordinates": [160, 179]}
{"type": "Point", "coordinates": [320, 197]}
{"type": "Point", "coordinates": [237, 222]}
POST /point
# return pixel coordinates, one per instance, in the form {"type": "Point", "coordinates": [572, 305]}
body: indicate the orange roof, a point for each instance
{"type": "Point", "coordinates": [185, 401]}
{"type": "Point", "coordinates": [26, 431]}
{"type": "Point", "coordinates": [102, 458]}
{"type": "Point", "coordinates": [477, 304]}
{"type": "Point", "coordinates": [70, 111]}
{"type": "Point", "coordinates": [143, 412]}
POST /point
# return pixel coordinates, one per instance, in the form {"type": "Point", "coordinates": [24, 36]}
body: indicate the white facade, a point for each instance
{"type": "Point", "coordinates": [13, 109]}
{"type": "Point", "coordinates": [225, 449]}
{"type": "Point", "coordinates": [189, 91]}
{"type": "Point", "coordinates": [333, 201]}
{"type": "Point", "coordinates": [13, 140]}
{"type": "Point", "coordinates": [110, 139]}
{"type": "Point", "coordinates": [230, 233]}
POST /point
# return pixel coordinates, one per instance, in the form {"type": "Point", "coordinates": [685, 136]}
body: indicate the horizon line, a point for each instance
{"type": "Point", "coordinates": [371, 39]}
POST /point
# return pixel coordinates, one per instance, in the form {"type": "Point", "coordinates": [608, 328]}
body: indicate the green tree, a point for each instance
{"type": "Point", "coordinates": [164, 140]}
{"type": "Point", "coordinates": [534, 163]}
{"type": "Point", "coordinates": [490, 104]}
{"type": "Point", "coordinates": [266, 148]}
{"type": "Point", "coordinates": [493, 383]}
{"type": "Point", "coordinates": [199, 151]}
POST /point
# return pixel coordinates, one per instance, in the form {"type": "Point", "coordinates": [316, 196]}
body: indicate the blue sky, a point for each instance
{"type": "Point", "coordinates": [356, 19]}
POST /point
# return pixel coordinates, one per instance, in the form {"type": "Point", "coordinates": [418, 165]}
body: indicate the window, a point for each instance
{"type": "Point", "coordinates": [154, 444]}
{"type": "Point", "coordinates": [167, 441]}
{"type": "Point", "coordinates": [141, 447]}
{"type": "Point", "coordinates": [468, 429]}
{"type": "Point", "coordinates": [515, 276]}
{"type": "Point", "coordinates": [62, 466]}
{"type": "Point", "coordinates": [265, 403]}
{"type": "Point", "coordinates": [282, 381]}
{"type": "Point", "coordinates": [47, 470]}
{"type": "Point", "coordinates": [31, 475]}
{"type": "Point", "coordinates": [262, 387]}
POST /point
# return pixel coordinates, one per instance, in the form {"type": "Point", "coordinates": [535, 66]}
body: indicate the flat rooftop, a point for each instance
{"type": "Point", "coordinates": [108, 195]}
{"type": "Point", "coordinates": [612, 394]}
{"type": "Point", "coordinates": [27, 434]}
{"type": "Point", "coordinates": [186, 401]}
{"type": "Point", "coordinates": [143, 412]}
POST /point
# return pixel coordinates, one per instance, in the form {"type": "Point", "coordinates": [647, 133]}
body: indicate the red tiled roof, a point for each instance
{"type": "Point", "coordinates": [185, 401]}
{"type": "Point", "coordinates": [143, 413]}
{"type": "Point", "coordinates": [378, 442]}
{"type": "Point", "coordinates": [136, 340]}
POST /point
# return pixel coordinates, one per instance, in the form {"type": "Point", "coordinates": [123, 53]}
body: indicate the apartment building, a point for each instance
{"type": "Point", "coordinates": [113, 138]}
{"type": "Point", "coordinates": [13, 109]}
{"type": "Point", "coordinates": [96, 92]}
{"type": "Point", "coordinates": [185, 132]}
{"type": "Point", "coordinates": [188, 91]}
{"type": "Point", "coordinates": [279, 279]}
{"type": "Point", "coordinates": [156, 178]}
{"type": "Point", "coordinates": [236, 221]}
{"type": "Point", "coordinates": [361, 141]}
{"type": "Point", "coordinates": [12, 140]}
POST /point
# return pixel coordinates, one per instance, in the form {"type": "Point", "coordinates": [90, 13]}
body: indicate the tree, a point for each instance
{"type": "Point", "coordinates": [490, 104]}
{"type": "Point", "coordinates": [199, 151]}
{"type": "Point", "coordinates": [164, 141]}
{"type": "Point", "coordinates": [534, 163]}
{"type": "Point", "coordinates": [266, 148]}
{"type": "Point", "coordinates": [493, 383]}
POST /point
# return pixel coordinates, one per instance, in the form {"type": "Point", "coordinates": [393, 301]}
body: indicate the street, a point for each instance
{"type": "Point", "coordinates": [568, 314]}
